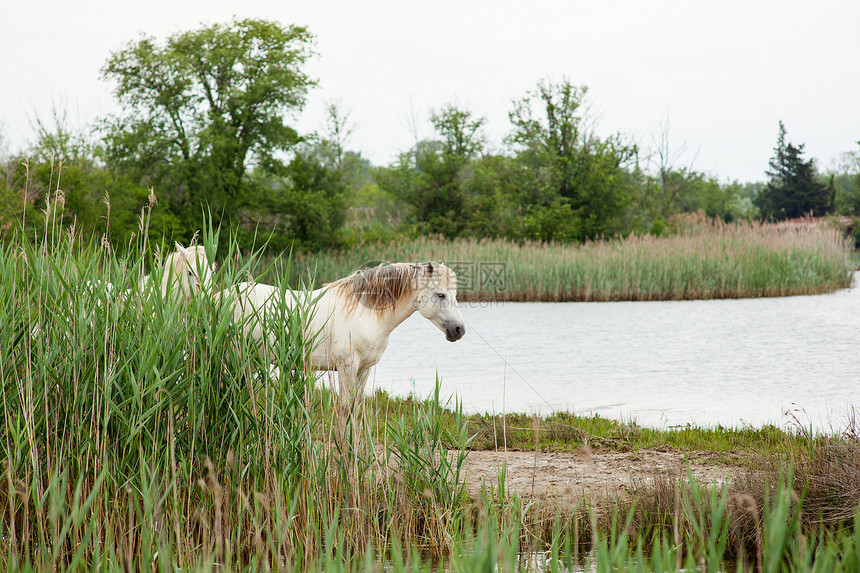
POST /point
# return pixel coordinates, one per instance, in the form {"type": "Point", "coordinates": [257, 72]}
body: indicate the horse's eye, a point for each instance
{"type": "Point", "coordinates": [441, 295]}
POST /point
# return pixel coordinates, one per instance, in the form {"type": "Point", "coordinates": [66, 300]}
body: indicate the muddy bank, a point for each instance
{"type": "Point", "coordinates": [566, 478]}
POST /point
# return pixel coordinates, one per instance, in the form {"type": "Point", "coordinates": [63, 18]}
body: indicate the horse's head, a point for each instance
{"type": "Point", "coordinates": [436, 299]}
{"type": "Point", "coordinates": [187, 272]}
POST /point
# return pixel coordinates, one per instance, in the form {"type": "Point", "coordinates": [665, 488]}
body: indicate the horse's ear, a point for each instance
{"type": "Point", "coordinates": [183, 250]}
{"type": "Point", "coordinates": [430, 268]}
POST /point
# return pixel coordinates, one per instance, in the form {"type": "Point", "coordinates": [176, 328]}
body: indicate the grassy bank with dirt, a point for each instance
{"type": "Point", "coordinates": [726, 497]}
{"type": "Point", "coordinates": [704, 260]}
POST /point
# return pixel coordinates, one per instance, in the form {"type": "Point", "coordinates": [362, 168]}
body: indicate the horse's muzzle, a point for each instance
{"type": "Point", "coordinates": [454, 333]}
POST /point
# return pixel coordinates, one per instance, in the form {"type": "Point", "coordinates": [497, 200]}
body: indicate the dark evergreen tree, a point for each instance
{"type": "Point", "coordinates": [793, 189]}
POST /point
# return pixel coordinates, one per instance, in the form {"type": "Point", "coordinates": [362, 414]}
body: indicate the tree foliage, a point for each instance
{"type": "Point", "coordinates": [205, 107]}
{"type": "Point", "coordinates": [206, 125]}
{"type": "Point", "coordinates": [574, 183]}
{"type": "Point", "coordinates": [792, 190]}
{"type": "Point", "coordinates": [432, 178]}
{"type": "Point", "coordinates": [557, 180]}
{"type": "Point", "coordinates": [61, 181]}
{"type": "Point", "coordinates": [305, 201]}
{"type": "Point", "coordinates": [846, 182]}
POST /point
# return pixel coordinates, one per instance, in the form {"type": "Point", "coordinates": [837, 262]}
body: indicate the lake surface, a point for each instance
{"type": "Point", "coordinates": [730, 362]}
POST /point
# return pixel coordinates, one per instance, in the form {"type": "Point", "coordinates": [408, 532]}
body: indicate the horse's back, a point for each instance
{"type": "Point", "coordinates": [250, 296]}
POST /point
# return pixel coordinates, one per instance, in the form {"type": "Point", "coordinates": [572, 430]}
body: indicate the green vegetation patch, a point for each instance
{"type": "Point", "coordinates": [567, 432]}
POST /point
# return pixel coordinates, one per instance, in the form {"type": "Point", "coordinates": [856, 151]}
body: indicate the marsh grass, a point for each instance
{"type": "Point", "coordinates": [145, 432]}
{"type": "Point", "coordinates": [141, 431]}
{"type": "Point", "coordinates": [705, 260]}
{"type": "Point", "coordinates": [124, 413]}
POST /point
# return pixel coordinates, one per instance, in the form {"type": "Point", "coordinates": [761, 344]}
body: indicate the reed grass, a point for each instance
{"type": "Point", "coordinates": [144, 432]}
{"type": "Point", "coordinates": [705, 260]}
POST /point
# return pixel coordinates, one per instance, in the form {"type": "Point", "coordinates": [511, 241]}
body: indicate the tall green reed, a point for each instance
{"type": "Point", "coordinates": [429, 458]}
{"type": "Point", "coordinates": [140, 404]}
{"type": "Point", "coordinates": [143, 430]}
{"type": "Point", "coordinates": [699, 534]}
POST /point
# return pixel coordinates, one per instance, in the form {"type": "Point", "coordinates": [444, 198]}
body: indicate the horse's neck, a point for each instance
{"type": "Point", "coordinates": [401, 311]}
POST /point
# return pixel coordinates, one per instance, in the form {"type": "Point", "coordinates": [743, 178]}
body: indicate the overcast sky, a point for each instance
{"type": "Point", "coordinates": [724, 72]}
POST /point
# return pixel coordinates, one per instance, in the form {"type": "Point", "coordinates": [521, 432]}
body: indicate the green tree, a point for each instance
{"type": "Point", "coordinates": [489, 208]}
{"type": "Point", "coordinates": [203, 107]}
{"type": "Point", "coordinates": [793, 189]}
{"type": "Point", "coordinates": [62, 176]}
{"type": "Point", "coordinates": [740, 200]}
{"type": "Point", "coordinates": [846, 180]}
{"type": "Point", "coordinates": [431, 177]}
{"type": "Point", "coordinates": [853, 200]}
{"type": "Point", "coordinates": [699, 193]}
{"type": "Point", "coordinates": [331, 150]}
{"type": "Point", "coordinates": [573, 184]}
{"type": "Point", "coordinates": [676, 183]}
{"type": "Point", "coordinates": [331, 147]}
{"type": "Point", "coordinates": [303, 205]}
{"type": "Point", "coordinates": [461, 132]}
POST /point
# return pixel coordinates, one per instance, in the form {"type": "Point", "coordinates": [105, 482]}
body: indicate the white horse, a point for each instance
{"type": "Point", "coordinates": [187, 273]}
{"type": "Point", "coordinates": [351, 319]}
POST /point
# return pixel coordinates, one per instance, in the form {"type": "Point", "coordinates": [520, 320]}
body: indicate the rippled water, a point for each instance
{"type": "Point", "coordinates": [730, 362]}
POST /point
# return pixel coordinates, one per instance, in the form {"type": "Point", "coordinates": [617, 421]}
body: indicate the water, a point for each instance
{"type": "Point", "coordinates": [730, 362]}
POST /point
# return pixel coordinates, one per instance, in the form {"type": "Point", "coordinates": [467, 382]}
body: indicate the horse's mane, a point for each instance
{"type": "Point", "coordinates": [378, 288]}
{"type": "Point", "coordinates": [381, 288]}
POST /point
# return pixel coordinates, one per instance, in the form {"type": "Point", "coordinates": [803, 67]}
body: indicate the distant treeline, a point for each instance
{"type": "Point", "coordinates": [203, 130]}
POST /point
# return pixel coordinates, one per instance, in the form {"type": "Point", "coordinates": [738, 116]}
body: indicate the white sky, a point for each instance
{"type": "Point", "coordinates": [723, 72]}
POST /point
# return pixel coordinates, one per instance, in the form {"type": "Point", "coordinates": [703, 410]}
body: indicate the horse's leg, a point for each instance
{"type": "Point", "coordinates": [358, 396]}
{"type": "Point", "coordinates": [345, 391]}
{"type": "Point", "coordinates": [351, 380]}
{"type": "Point", "coordinates": [345, 385]}
{"type": "Point", "coordinates": [361, 380]}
